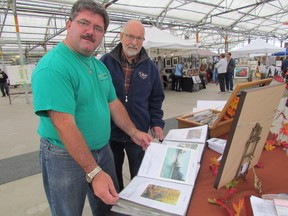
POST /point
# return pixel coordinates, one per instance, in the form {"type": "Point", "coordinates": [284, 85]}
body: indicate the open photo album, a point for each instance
{"type": "Point", "coordinates": [166, 178]}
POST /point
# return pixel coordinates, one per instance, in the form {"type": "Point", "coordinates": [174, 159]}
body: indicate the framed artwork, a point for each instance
{"type": "Point", "coordinates": [217, 58]}
{"type": "Point", "coordinates": [278, 63]}
{"type": "Point", "coordinates": [167, 62]}
{"type": "Point", "coordinates": [248, 132]}
{"type": "Point", "coordinates": [196, 79]}
{"type": "Point", "coordinates": [241, 72]}
{"type": "Point", "coordinates": [175, 60]}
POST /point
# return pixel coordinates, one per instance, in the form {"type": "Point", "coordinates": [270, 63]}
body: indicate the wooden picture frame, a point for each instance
{"type": "Point", "coordinates": [241, 72]}
{"type": "Point", "coordinates": [249, 132]}
{"type": "Point", "coordinates": [167, 62]}
{"type": "Point", "coordinates": [175, 61]}
{"type": "Point", "coordinates": [222, 124]}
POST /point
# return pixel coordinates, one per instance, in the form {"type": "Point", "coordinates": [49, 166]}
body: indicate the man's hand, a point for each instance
{"type": "Point", "coordinates": [157, 132]}
{"type": "Point", "coordinates": [104, 188]}
{"type": "Point", "coordinates": [142, 139]}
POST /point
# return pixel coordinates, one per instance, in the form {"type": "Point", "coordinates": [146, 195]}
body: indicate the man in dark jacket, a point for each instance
{"type": "Point", "coordinates": [230, 72]}
{"type": "Point", "coordinates": [138, 86]}
{"type": "Point", "coordinates": [3, 83]}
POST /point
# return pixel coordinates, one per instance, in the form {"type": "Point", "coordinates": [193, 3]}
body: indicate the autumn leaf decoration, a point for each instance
{"type": "Point", "coordinates": [278, 140]}
{"type": "Point", "coordinates": [214, 165]}
{"type": "Point", "coordinates": [230, 113]}
{"type": "Point", "coordinates": [224, 202]}
{"type": "Point", "coordinates": [284, 129]}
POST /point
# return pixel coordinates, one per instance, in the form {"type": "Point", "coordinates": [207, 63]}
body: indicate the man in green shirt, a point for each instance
{"type": "Point", "coordinates": [75, 99]}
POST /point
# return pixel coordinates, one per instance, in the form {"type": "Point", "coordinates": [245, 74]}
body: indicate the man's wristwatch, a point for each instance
{"type": "Point", "coordinates": [92, 174]}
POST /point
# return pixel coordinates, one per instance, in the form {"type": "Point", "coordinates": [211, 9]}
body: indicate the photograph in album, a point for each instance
{"type": "Point", "coordinates": [161, 194]}
{"type": "Point", "coordinates": [170, 163]}
{"type": "Point", "coordinates": [175, 164]}
{"type": "Point", "coordinates": [147, 196]}
{"type": "Point", "coordinates": [193, 134]}
{"type": "Point", "coordinates": [249, 131]}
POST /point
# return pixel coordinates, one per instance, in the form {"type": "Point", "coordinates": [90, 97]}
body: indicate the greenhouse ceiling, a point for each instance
{"type": "Point", "coordinates": [210, 23]}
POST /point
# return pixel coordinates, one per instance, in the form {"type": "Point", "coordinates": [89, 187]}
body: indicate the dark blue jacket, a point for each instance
{"type": "Point", "coordinates": [145, 96]}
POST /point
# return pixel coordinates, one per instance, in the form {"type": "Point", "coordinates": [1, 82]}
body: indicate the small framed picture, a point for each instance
{"type": "Point", "coordinates": [196, 79]}
{"type": "Point", "coordinates": [241, 72]}
{"type": "Point", "coordinates": [175, 60]}
{"type": "Point", "coordinates": [167, 62]}
{"type": "Point", "coordinates": [278, 63]}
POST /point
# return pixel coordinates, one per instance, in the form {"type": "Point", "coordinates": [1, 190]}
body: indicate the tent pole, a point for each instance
{"type": "Point", "coordinates": [13, 6]}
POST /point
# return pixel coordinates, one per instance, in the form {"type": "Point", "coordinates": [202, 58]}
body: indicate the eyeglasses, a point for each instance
{"type": "Point", "coordinates": [132, 38]}
{"type": "Point", "coordinates": [87, 25]}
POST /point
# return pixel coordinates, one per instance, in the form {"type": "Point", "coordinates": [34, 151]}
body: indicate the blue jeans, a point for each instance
{"type": "Point", "coordinates": [215, 75]}
{"type": "Point", "coordinates": [135, 155]}
{"type": "Point", "coordinates": [65, 183]}
{"type": "Point", "coordinates": [229, 81]}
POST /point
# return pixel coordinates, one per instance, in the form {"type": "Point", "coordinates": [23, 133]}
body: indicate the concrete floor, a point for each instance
{"type": "Point", "coordinates": [18, 126]}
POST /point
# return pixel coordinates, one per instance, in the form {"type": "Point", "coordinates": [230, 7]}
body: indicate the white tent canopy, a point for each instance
{"type": "Point", "coordinates": [257, 46]}
{"type": "Point", "coordinates": [156, 38]}
{"type": "Point", "coordinates": [159, 42]}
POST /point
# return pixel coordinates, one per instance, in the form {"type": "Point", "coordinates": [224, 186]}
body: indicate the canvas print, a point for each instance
{"type": "Point", "coordinates": [175, 164]}
{"type": "Point", "coordinates": [241, 72]}
{"type": "Point", "coordinates": [161, 194]}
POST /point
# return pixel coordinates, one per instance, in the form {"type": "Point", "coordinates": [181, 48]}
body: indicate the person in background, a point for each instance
{"type": "Point", "coordinates": [173, 79]}
{"type": "Point", "coordinates": [164, 79]}
{"type": "Point", "coordinates": [160, 65]}
{"type": "Point", "coordinates": [222, 67]}
{"type": "Point", "coordinates": [284, 67]}
{"type": "Point", "coordinates": [75, 99]}
{"type": "Point", "coordinates": [4, 83]}
{"type": "Point", "coordinates": [230, 72]}
{"type": "Point", "coordinates": [209, 73]}
{"type": "Point", "coordinates": [215, 72]}
{"type": "Point", "coordinates": [138, 86]}
{"type": "Point", "coordinates": [178, 76]}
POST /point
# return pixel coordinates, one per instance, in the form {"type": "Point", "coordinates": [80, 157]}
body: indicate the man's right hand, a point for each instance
{"type": "Point", "coordinates": [142, 139]}
{"type": "Point", "coordinates": [104, 188]}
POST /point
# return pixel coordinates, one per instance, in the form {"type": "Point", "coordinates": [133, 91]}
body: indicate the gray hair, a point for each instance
{"type": "Point", "coordinates": [92, 6]}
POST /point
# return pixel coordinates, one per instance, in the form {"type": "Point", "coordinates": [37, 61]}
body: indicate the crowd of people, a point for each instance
{"type": "Point", "coordinates": [222, 74]}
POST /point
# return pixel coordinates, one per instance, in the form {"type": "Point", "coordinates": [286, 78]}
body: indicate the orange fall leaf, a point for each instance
{"type": "Point", "coordinates": [269, 147]}
{"type": "Point", "coordinates": [239, 207]}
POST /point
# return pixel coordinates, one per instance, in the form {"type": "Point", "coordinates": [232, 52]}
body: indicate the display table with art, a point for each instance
{"type": "Point", "coordinates": [272, 172]}
{"type": "Point", "coordinates": [246, 169]}
{"type": "Point", "coordinates": [248, 165]}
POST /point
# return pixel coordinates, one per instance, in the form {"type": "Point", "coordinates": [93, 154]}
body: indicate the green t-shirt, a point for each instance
{"type": "Point", "coordinates": [62, 83]}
